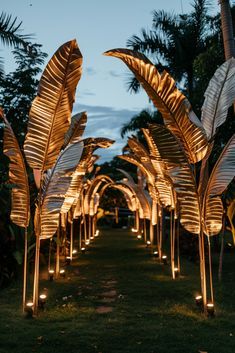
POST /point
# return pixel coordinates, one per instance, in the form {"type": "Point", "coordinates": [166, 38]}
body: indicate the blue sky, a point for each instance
{"type": "Point", "coordinates": [98, 25]}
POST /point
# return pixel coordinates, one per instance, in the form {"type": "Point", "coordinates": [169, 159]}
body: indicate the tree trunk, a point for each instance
{"type": "Point", "coordinates": [227, 29]}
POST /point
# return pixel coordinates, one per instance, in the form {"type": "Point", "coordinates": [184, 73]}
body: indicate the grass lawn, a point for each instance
{"type": "Point", "coordinates": [117, 298]}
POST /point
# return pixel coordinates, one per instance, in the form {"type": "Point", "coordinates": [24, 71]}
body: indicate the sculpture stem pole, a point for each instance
{"type": "Point", "coordinates": [71, 240]}
{"type": "Point", "coordinates": [202, 268]}
{"type": "Point", "coordinates": [25, 266]}
{"type": "Point", "coordinates": [210, 270]}
{"type": "Point", "coordinates": [36, 275]}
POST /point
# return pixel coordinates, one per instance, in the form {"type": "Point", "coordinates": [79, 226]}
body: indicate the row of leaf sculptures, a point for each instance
{"type": "Point", "coordinates": [60, 159]}
{"type": "Point", "coordinates": [56, 153]}
{"type": "Point", "coordinates": [169, 163]}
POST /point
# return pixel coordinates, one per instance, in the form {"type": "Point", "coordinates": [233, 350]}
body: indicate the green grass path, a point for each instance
{"type": "Point", "coordinates": [147, 312]}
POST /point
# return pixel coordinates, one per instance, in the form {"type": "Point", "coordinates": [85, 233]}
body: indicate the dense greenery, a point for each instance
{"type": "Point", "coordinates": [151, 313]}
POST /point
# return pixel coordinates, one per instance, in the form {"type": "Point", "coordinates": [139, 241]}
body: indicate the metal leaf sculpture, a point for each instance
{"type": "Point", "coordinates": [172, 104]}
{"type": "Point", "coordinates": [93, 188]}
{"type": "Point", "coordinates": [219, 96]}
{"type": "Point", "coordinates": [90, 145]}
{"type": "Point", "coordinates": [76, 128]}
{"type": "Point", "coordinates": [163, 182]}
{"type": "Point", "coordinates": [221, 175]}
{"type": "Point", "coordinates": [145, 209]}
{"type": "Point", "coordinates": [56, 183]}
{"type": "Point", "coordinates": [50, 113]}
{"type": "Point", "coordinates": [181, 175]}
{"type": "Point", "coordinates": [20, 199]}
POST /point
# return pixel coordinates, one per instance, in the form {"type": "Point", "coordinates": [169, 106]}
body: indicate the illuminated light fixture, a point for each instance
{"type": "Point", "coordinates": [29, 309]}
{"type": "Point", "coordinates": [124, 179]}
{"type": "Point", "coordinates": [134, 230]}
{"type": "Point", "coordinates": [210, 309]}
{"type": "Point", "coordinates": [51, 275]}
{"type": "Point", "coordinates": [177, 272]}
{"type": "Point", "coordinates": [91, 238]}
{"type": "Point", "coordinates": [148, 243]}
{"type": "Point", "coordinates": [42, 301]}
{"type": "Point", "coordinates": [68, 260]}
{"type": "Point", "coordinates": [155, 253]}
{"type": "Point", "coordinates": [198, 300]}
{"type": "Point", "coordinates": [83, 250]}
{"type": "Point", "coordinates": [62, 273]}
{"type": "Point", "coordinates": [74, 252]}
{"type": "Point", "coordinates": [164, 259]}
{"type": "Point", "coordinates": [139, 236]}
{"type": "Point", "coordinates": [97, 233]}
{"type": "Point", "coordinates": [87, 242]}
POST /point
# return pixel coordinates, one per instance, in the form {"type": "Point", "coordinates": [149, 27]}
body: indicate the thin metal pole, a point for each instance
{"type": "Point", "coordinates": [25, 266]}
{"type": "Point", "coordinates": [210, 270]}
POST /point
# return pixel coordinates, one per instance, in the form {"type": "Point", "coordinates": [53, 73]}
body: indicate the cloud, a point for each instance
{"type": "Point", "coordinates": [114, 73]}
{"type": "Point", "coordinates": [90, 71]}
{"type": "Point", "coordinates": [104, 121]}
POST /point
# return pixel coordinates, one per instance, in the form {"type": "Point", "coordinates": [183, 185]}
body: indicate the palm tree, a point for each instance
{"type": "Point", "coordinates": [175, 41]}
{"type": "Point", "coordinates": [227, 29]}
{"type": "Point", "coordinates": [10, 34]}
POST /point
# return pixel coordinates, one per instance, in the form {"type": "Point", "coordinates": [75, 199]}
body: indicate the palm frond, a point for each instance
{"type": "Point", "coordinates": [20, 200]}
{"type": "Point", "coordinates": [172, 104]}
{"type": "Point", "coordinates": [50, 113]}
{"type": "Point", "coordinates": [10, 31]}
{"type": "Point", "coordinates": [219, 96]}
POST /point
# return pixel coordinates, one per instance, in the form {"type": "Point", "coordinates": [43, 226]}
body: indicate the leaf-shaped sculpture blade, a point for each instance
{"type": "Point", "coordinates": [135, 160]}
{"type": "Point", "coordinates": [20, 200]}
{"type": "Point", "coordinates": [181, 175]}
{"type": "Point", "coordinates": [219, 96]}
{"type": "Point", "coordinates": [90, 144]}
{"type": "Point", "coordinates": [55, 185]}
{"type": "Point", "coordinates": [50, 113]}
{"type": "Point", "coordinates": [223, 171]}
{"type": "Point", "coordinates": [172, 104]}
{"type": "Point", "coordinates": [221, 175]}
{"type": "Point", "coordinates": [213, 217]}
{"type": "Point", "coordinates": [76, 128]}
{"type": "Point", "coordinates": [145, 211]}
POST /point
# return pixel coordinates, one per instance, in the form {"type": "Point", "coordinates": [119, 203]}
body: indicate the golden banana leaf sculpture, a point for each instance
{"type": "Point", "coordinates": [219, 96]}
{"type": "Point", "coordinates": [172, 104]}
{"type": "Point", "coordinates": [50, 113]}
{"type": "Point", "coordinates": [55, 186]}
{"type": "Point", "coordinates": [220, 177]}
{"type": "Point", "coordinates": [163, 181]}
{"type": "Point", "coordinates": [129, 194]}
{"type": "Point", "coordinates": [145, 208]}
{"type": "Point", "coordinates": [20, 199]}
{"type": "Point", "coordinates": [90, 145]}
{"type": "Point", "coordinates": [76, 128]}
{"type": "Point", "coordinates": [93, 188]}
{"type": "Point", "coordinates": [181, 175]}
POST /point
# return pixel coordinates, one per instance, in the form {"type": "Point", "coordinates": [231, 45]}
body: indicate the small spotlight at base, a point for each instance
{"type": "Point", "coordinates": [210, 309]}
{"type": "Point", "coordinates": [42, 301]}
{"type": "Point", "coordinates": [177, 272]}
{"type": "Point", "coordinates": [155, 253]}
{"type": "Point", "coordinates": [68, 260]}
{"type": "Point", "coordinates": [164, 259]}
{"type": "Point", "coordinates": [51, 275]}
{"type": "Point", "coordinates": [29, 309]}
{"type": "Point", "coordinates": [139, 236]}
{"type": "Point", "coordinates": [62, 273]}
{"type": "Point", "coordinates": [83, 250]}
{"type": "Point", "coordinates": [198, 300]}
